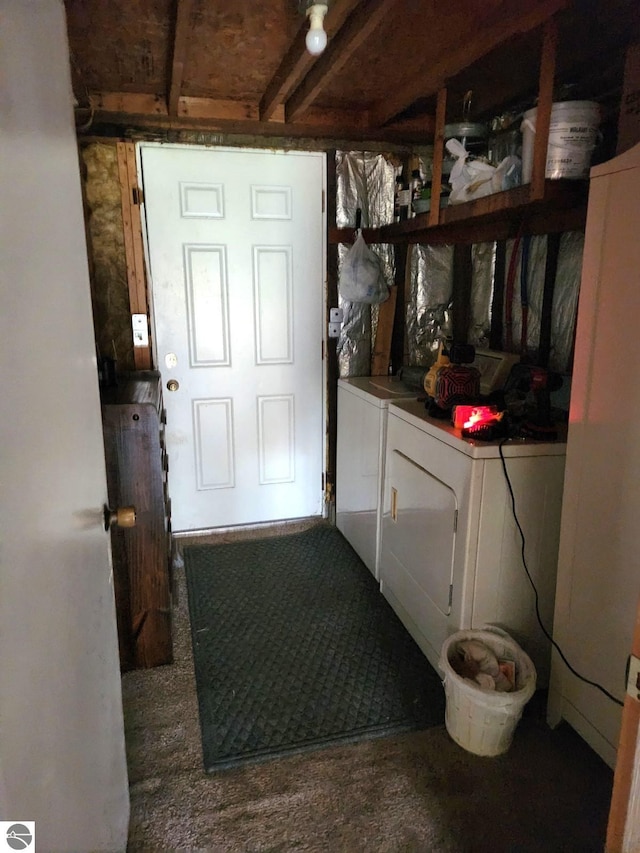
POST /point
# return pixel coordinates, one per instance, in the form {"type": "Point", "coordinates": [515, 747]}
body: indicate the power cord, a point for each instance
{"type": "Point", "coordinates": [535, 591]}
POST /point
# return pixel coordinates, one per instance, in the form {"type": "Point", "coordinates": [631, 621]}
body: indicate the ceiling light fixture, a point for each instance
{"type": "Point", "coordinates": [316, 38]}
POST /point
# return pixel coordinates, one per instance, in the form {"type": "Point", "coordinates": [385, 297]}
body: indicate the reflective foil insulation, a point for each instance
{"type": "Point", "coordinates": [366, 180]}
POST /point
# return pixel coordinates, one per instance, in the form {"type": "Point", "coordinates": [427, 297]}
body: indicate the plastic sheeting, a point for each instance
{"type": "Point", "coordinates": [365, 180]}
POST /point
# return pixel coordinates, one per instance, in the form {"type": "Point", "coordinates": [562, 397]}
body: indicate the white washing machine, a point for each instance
{"type": "Point", "coordinates": [362, 426]}
{"type": "Point", "coordinates": [451, 552]}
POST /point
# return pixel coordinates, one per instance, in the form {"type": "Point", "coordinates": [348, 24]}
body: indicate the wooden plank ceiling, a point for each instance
{"type": "Point", "coordinates": [240, 66]}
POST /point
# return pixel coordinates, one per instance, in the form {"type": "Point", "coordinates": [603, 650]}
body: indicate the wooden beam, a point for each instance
{"type": "Point", "coordinates": [295, 64]}
{"type": "Point", "coordinates": [402, 254]}
{"type": "Point", "coordinates": [543, 114]}
{"type": "Point", "coordinates": [461, 291]}
{"type": "Point", "coordinates": [181, 35]}
{"type": "Point", "coordinates": [357, 29]}
{"type": "Point", "coordinates": [218, 109]}
{"type": "Point", "coordinates": [132, 103]}
{"type": "Point", "coordinates": [127, 107]}
{"type": "Point", "coordinates": [501, 26]}
{"type": "Point", "coordinates": [149, 112]}
{"type": "Point", "coordinates": [495, 217]}
{"type": "Point", "coordinates": [382, 348]}
{"type": "Point", "coordinates": [389, 344]}
{"type": "Point", "coordinates": [134, 255]}
{"type": "Point", "coordinates": [438, 156]}
{"type": "Point", "coordinates": [297, 61]}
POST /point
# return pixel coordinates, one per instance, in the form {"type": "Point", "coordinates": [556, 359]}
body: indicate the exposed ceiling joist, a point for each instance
{"type": "Point", "coordinates": [297, 61]}
{"type": "Point", "coordinates": [292, 69]}
{"type": "Point", "coordinates": [357, 29]}
{"type": "Point", "coordinates": [434, 75]}
{"type": "Point", "coordinates": [180, 42]}
{"type": "Point", "coordinates": [209, 64]}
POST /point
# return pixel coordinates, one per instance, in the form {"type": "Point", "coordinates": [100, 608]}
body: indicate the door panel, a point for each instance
{"type": "Point", "coordinates": [421, 530]}
{"type": "Point", "coordinates": [62, 749]}
{"type": "Point", "coordinates": [236, 253]}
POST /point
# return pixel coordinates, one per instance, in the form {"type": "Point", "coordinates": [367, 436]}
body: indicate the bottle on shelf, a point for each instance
{"type": "Point", "coordinates": [404, 200]}
{"type": "Point", "coordinates": [416, 184]}
{"type": "Point", "coordinates": [396, 198]}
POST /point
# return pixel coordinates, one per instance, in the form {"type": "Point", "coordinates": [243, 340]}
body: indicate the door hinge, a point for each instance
{"type": "Point", "coordinates": [455, 521]}
{"type": "Point", "coordinates": [323, 201]}
{"type": "Point", "coordinates": [137, 195]}
{"type": "Point", "coordinates": [450, 594]}
{"type": "Point", "coordinates": [327, 487]}
{"type": "Point", "coordinates": [633, 677]}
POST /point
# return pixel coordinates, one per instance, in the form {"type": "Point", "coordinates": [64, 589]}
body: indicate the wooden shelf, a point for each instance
{"type": "Point", "coordinates": [494, 217]}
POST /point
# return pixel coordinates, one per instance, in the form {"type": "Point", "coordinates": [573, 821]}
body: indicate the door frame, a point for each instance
{"type": "Point", "coordinates": [326, 409]}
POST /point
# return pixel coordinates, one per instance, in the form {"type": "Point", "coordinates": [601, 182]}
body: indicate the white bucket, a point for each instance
{"type": "Point", "coordinates": [573, 134]}
{"type": "Point", "coordinates": [479, 720]}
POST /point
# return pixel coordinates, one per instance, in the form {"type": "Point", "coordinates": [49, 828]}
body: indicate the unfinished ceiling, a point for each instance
{"type": "Point", "coordinates": [240, 66]}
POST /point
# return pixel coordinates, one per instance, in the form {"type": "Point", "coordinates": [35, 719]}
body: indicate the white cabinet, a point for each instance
{"type": "Point", "coordinates": [598, 567]}
{"type": "Point", "coordinates": [451, 552]}
{"type": "Point", "coordinates": [362, 430]}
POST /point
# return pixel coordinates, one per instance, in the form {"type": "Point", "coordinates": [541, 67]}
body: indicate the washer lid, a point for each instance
{"type": "Point", "coordinates": [378, 390]}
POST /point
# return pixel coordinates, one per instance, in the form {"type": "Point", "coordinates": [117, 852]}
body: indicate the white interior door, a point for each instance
{"type": "Point", "coordinates": [62, 754]}
{"type": "Point", "coordinates": [236, 253]}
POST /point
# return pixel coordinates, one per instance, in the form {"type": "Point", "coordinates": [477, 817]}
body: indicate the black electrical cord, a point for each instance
{"type": "Point", "coordinates": [535, 591]}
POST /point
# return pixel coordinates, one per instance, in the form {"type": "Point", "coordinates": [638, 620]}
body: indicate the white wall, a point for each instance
{"type": "Point", "coordinates": [62, 754]}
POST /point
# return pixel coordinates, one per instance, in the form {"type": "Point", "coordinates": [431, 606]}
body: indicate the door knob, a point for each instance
{"type": "Point", "coordinates": [123, 516]}
{"type": "Point", "coordinates": [173, 385]}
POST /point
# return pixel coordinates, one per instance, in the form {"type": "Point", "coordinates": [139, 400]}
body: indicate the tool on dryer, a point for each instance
{"type": "Point", "coordinates": [526, 379]}
{"type": "Point", "coordinates": [456, 383]}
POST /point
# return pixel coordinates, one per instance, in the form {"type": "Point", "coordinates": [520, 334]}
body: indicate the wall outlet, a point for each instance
{"type": "Point", "coordinates": [140, 330]}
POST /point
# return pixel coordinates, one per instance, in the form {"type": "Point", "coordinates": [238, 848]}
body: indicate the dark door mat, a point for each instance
{"type": "Point", "coordinates": [295, 648]}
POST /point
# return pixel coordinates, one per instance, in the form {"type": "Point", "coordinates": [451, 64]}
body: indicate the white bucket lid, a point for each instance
{"type": "Point", "coordinates": [569, 106]}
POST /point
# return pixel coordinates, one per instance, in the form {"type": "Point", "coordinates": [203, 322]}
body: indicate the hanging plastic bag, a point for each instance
{"type": "Point", "coordinates": [361, 277]}
{"type": "Point", "coordinates": [471, 179]}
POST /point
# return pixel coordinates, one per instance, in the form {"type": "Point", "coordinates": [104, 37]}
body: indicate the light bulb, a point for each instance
{"type": "Point", "coordinates": [316, 38]}
{"type": "Point", "coordinates": [316, 41]}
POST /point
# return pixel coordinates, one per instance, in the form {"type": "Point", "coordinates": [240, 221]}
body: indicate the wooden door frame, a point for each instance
{"type": "Point", "coordinates": [131, 199]}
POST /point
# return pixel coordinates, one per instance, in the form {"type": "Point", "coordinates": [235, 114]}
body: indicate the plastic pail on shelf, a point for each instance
{"type": "Point", "coordinates": [479, 720]}
{"type": "Point", "coordinates": [573, 134]}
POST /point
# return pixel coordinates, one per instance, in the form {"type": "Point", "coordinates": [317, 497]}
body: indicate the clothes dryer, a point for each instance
{"type": "Point", "coordinates": [450, 550]}
{"type": "Point", "coordinates": [362, 429]}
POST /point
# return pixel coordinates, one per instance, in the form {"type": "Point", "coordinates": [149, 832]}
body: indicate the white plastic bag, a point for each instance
{"type": "Point", "coordinates": [361, 277]}
{"type": "Point", "coordinates": [472, 179]}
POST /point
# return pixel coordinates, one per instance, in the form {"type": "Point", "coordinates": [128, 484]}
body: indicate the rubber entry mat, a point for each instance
{"type": "Point", "coordinates": [295, 648]}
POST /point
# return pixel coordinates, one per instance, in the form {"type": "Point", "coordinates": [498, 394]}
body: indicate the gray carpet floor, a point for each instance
{"type": "Point", "coordinates": [415, 793]}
